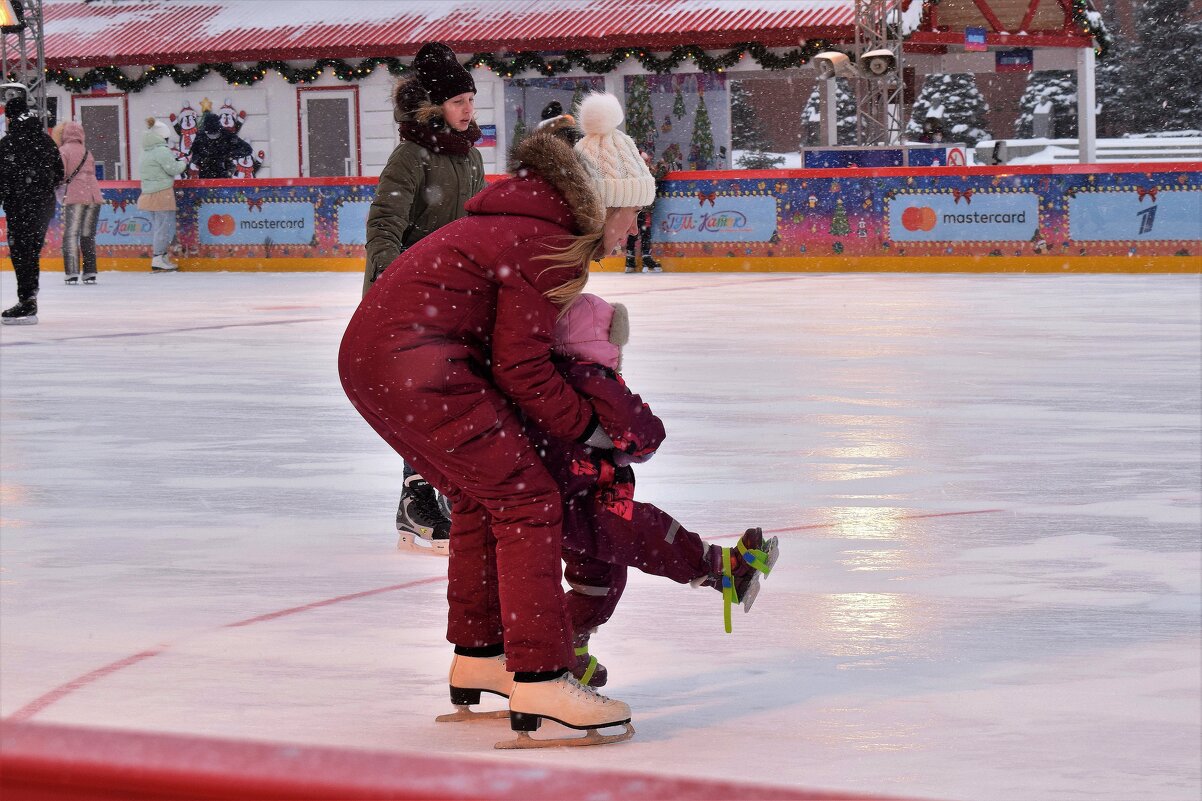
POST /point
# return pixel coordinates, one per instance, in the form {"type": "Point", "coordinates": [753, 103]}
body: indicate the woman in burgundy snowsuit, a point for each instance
{"type": "Point", "coordinates": [444, 350]}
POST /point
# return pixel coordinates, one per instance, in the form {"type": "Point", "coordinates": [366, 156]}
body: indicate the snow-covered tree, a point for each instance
{"type": "Point", "coordinates": [845, 112]}
{"type": "Point", "coordinates": [747, 132]}
{"type": "Point", "coordinates": [956, 103]}
{"type": "Point", "coordinates": [640, 119]}
{"type": "Point", "coordinates": [1053, 92]}
{"type": "Point", "coordinates": [1162, 68]}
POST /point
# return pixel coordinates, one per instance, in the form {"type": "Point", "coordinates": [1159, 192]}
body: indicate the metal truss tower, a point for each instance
{"type": "Point", "coordinates": [23, 54]}
{"type": "Point", "coordinates": [880, 116]}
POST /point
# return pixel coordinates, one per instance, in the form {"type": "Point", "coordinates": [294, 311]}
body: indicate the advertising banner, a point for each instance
{"type": "Point", "coordinates": [713, 218]}
{"type": "Point", "coordinates": [963, 216]}
{"type": "Point", "coordinates": [352, 222]}
{"type": "Point", "coordinates": [282, 223]}
{"type": "Point", "coordinates": [122, 223]}
{"type": "Point", "coordinates": [1146, 214]}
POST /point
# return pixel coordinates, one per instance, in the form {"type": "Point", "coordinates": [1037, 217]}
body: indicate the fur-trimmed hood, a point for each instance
{"type": "Point", "coordinates": [408, 98]}
{"type": "Point", "coordinates": [546, 156]}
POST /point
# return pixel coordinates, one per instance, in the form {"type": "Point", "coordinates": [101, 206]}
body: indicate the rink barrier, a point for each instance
{"type": "Point", "coordinates": [1092, 218]}
{"type": "Point", "coordinates": [41, 762]}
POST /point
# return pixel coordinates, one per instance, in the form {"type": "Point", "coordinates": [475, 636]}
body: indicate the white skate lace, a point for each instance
{"type": "Point", "coordinates": [590, 693]}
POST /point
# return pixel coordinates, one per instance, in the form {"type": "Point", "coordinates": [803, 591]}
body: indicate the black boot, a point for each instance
{"type": "Point", "coordinates": [24, 313]}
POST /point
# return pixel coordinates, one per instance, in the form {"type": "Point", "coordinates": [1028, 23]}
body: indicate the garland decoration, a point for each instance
{"type": "Point", "coordinates": [506, 68]}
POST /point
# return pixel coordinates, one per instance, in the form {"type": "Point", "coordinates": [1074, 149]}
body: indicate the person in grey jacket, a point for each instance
{"type": "Point", "coordinates": [158, 169]}
{"type": "Point", "coordinates": [434, 170]}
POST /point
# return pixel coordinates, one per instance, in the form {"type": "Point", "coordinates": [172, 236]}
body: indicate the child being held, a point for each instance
{"type": "Point", "coordinates": [605, 530]}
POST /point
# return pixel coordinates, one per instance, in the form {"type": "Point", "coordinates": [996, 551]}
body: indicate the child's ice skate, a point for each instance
{"type": "Point", "coordinates": [737, 571]}
{"type": "Point", "coordinates": [569, 703]}
{"type": "Point", "coordinates": [472, 675]}
{"type": "Point", "coordinates": [587, 669]}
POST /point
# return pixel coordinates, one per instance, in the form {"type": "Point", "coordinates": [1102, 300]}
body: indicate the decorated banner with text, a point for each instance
{"type": "Point", "coordinates": [1092, 218]}
{"type": "Point", "coordinates": [1112, 218]}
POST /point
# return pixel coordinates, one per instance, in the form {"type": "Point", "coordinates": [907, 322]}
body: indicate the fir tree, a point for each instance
{"type": "Point", "coordinates": [1162, 86]}
{"type": "Point", "coordinates": [678, 104]}
{"type": "Point", "coordinates": [746, 128]}
{"type": "Point", "coordinates": [845, 113]}
{"type": "Point", "coordinates": [839, 224]}
{"type": "Point", "coordinates": [577, 96]}
{"type": "Point", "coordinates": [519, 130]}
{"type": "Point", "coordinates": [701, 146]}
{"type": "Point", "coordinates": [959, 104]}
{"type": "Point", "coordinates": [640, 119]}
{"type": "Point", "coordinates": [1056, 90]}
{"type": "Point", "coordinates": [1114, 118]}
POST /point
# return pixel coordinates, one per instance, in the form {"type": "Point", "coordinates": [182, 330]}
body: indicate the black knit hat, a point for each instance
{"type": "Point", "coordinates": [441, 74]}
{"type": "Point", "coordinates": [552, 110]}
{"type": "Point", "coordinates": [15, 107]}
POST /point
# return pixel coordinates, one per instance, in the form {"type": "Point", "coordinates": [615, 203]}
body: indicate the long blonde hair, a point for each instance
{"type": "Point", "coordinates": [575, 255]}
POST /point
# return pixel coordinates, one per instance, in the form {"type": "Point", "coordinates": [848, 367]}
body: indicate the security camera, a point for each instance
{"type": "Point", "coordinates": [833, 64]}
{"type": "Point", "coordinates": [878, 63]}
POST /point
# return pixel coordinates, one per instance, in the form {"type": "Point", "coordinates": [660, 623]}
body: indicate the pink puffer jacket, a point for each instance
{"type": "Point", "coordinates": [84, 188]}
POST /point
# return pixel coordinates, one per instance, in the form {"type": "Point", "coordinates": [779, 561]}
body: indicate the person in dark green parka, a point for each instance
{"type": "Point", "coordinates": [434, 170]}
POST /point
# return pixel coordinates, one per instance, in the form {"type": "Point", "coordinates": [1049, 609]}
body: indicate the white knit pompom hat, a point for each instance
{"type": "Point", "coordinates": [612, 158]}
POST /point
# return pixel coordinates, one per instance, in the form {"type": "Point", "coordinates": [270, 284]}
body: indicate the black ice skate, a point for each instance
{"type": "Point", "coordinates": [24, 313]}
{"type": "Point", "coordinates": [737, 571]}
{"type": "Point", "coordinates": [71, 280]}
{"type": "Point", "coordinates": [569, 703]}
{"type": "Point", "coordinates": [419, 519]}
{"type": "Point", "coordinates": [650, 265]}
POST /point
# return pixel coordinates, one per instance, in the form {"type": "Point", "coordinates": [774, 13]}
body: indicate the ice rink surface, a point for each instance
{"type": "Point", "coordinates": [987, 490]}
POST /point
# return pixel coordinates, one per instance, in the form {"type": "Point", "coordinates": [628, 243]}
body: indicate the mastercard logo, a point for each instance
{"type": "Point", "coordinates": [221, 224]}
{"type": "Point", "coordinates": [918, 218]}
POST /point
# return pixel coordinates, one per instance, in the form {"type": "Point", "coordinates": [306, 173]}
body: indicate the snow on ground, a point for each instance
{"type": "Point", "coordinates": [987, 490]}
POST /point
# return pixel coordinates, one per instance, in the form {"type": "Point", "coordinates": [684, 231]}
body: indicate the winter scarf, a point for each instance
{"type": "Point", "coordinates": [439, 138]}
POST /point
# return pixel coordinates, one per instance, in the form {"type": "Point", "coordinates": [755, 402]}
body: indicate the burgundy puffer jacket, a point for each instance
{"type": "Point", "coordinates": [463, 311]}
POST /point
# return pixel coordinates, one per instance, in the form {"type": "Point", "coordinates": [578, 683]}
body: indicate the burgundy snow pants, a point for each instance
{"type": "Point", "coordinates": [605, 532]}
{"type": "Point", "coordinates": [505, 576]}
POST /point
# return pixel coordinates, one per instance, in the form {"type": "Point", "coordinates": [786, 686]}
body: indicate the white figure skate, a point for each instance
{"type": "Point", "coordinates": [472, 675]}
{"type": "Point", "coordinates": [569, 703]}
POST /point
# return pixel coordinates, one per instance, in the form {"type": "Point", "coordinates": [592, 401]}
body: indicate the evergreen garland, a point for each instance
{"type": "Point", "coordinates": [506, 68]}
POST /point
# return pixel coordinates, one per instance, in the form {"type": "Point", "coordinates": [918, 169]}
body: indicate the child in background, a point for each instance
{"type": "Point", "coordinates": [605, 530]}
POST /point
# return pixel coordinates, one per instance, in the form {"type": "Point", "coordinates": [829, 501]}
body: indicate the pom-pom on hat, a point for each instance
{"type": "Point", "coordinates": [441, 74]}
{"type": "Point", "coordinates": [592, 330]}
{"type": "Point", "coordinates": [618, 172]}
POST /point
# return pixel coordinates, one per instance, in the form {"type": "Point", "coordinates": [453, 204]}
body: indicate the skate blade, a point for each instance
{"type": "Point", "coordinates": [408, 541]}
{"type": "Point", "coordinates": [772, 549]}
{"type": "Point", "coordinates": [591, 737]}
{"type": "Point", "coordinates": [750, 594]}
{"type": "Point", "coordinates": [463, 713]}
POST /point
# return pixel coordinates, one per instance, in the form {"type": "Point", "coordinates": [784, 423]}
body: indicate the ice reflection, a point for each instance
{"type": "Point", "coordinates": [863, 447]}
{"type": "Point", "coordinates": [872, 626]}
{"type": "Point", "coordinates": [12, 496]}
{"type": "Point", "coordinates": [875, 560]}
{"type": "Point", "coordinates": [865, 522]}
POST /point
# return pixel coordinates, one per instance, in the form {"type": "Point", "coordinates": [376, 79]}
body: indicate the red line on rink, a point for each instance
{"type": "Point", "coordinates": [899, 517]}
{"type": "Point", "coordinates": [317, 604]}
{"type": "Point", "coordinates": [59, 693]}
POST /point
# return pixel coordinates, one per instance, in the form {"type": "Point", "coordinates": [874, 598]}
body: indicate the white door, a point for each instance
{"type": "Point", "coordinates": [105, 122]}
{"type": "Point", "coordinates": [329, 132]}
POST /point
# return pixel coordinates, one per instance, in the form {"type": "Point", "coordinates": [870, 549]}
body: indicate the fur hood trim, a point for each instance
{"type": "Point", "coordinates": [557, 163]}
{"type": "Point", "coordinates": [411, 102]}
